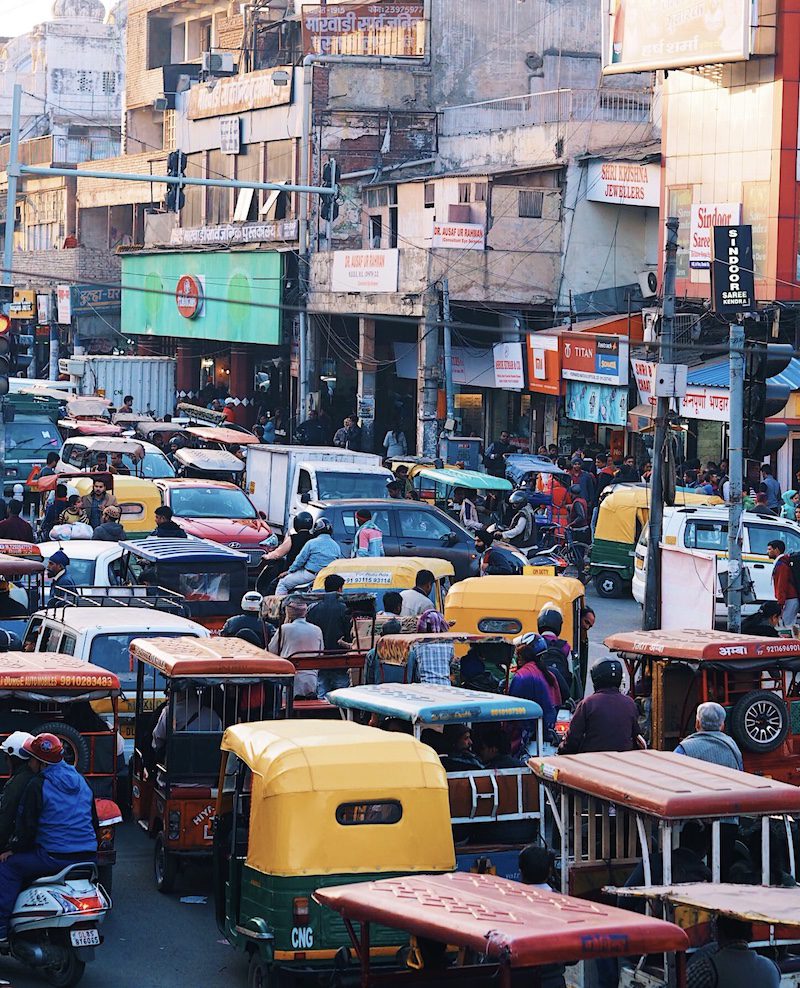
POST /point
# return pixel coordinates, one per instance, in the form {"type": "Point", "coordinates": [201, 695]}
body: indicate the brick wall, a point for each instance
{"type": "Point", "coordinates": [112, 192]}
{"type": "Point", "coordinates": [78, 265]}
{"type": "Point", "coordinates": [230, 33]}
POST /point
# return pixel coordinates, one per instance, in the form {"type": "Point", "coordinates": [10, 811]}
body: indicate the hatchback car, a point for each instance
{"type": "Point", "coordinates": [410, 528]}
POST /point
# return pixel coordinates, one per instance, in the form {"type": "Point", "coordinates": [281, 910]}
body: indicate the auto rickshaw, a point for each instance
{"type": "Point", "coordinates": [44, 692]}
{"type": "Point", "coordinates": [623, 513]}
{"type": "Point", "coordinates": [502, 932]}
{"type": "Point", "coordinates": [378, 805]}
{"type": "Point", "coordinates": [210, 684]}
{"type": "Point", "coordinates": [22, 568]}
{"type": "Point", "coordinates": [211, 578]}
{"type": "Point", "coordinates": [209, 464]}
{"type": "Point", "coordinates": [378, 574]}
{"type": "Point", "coordinates": [436, 486]}
{"type": "Point", "coordinates": [757, 681]}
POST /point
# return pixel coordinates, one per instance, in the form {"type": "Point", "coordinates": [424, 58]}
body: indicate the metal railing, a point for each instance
{"type": "Point", "coordinates": [553, 106]}
{"type": "Point", "coordinates": [62, 150]}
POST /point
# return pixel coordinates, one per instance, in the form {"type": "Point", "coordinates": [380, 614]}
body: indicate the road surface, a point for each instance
{"type": "Point", "coordinates": [157, 941]}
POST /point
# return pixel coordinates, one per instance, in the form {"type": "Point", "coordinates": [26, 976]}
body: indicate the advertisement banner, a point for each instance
{"type": "Point", "coordinates": [471, 367]}
{"type": "Point", "coordinates": [365, 270]}
{"type": "Point", "coordinates": [89, 299]}
{"type": "Point", "coordinates": [645, 35]}
{"type": "Point", "coordinates": [458, 236]}
{"type": "Point", "coordinates": [43, 307]}
{"type": "Point", "coordinates": [733, 282]}
{"type": "Point", "coordinates": [603, 404]}
{"type": "Point", "coordinates": [238, 94]}
{"type": "Point", "coordinates": [644, 372]}
{"type": "Point", "coordinates": [704, 217]}
{"type": "Point", "coordinates": [508, 368]}
{"type": "Point", "coordinates": [598, 359]}
{"type": "Point", "coordinates": [24, 304]}
{"type": "Point", "coordinates": [373, 29]}
{"type": "Point", "coordinates": [699, 402]}
{"type": "Point", "coordinates": [624, 183]}
{"type": "Point", "coordinates": [64, 305]}
{"type": "Point", "coordinates": [544, 364]}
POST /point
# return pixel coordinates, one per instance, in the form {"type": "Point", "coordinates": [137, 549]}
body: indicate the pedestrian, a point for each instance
{"type": "Point", "coordinates": [494, 459]}
{"type": "Point", "coordinates": [394, 442]}
{"type": "Point", "coordinates": [297, 636]}
{"type": "Point", "coordinates": [166, 526]}
{"type": "Point", "coordinates": [14, 527]}
{"type": "Point", "coordinates": [368, 538]}
{"type": "Point", "coordinates": [268, 431]}
{"type": "Point", "coordinates": [349, 436]}
{"type": "Point", "coordinates": [731, 962]}
{"type": "Point", "coordinates": [761, 507]}
{"type": "Point", "coordinates": [467, 512]}
{"type": "Point", "coordinates": [770, 486]}
{"type": "Point", "coordinates": [310, 433]}
{"type": "Point", "coordinates": [585, 482]}
{"type": "Point", "coordinates": [559, 508]}
{"type": "Point", "coordinates": [53, 511]}
{"type": "Point", "coordinates": [765, 622]}
{"type": "Point", "coordinates": [110, 529]}
{"type": "Point", "coordinates": [788, 504]}
{"type": "Point", "coordinates": [709, 743]}
{"type": "Point", "coordinates": [578, 526]}
{"type": "Point", "coordinates": [588, 618]}
{"type": "Point", "coordinates": [783, 582]}
{"type": "Point", "coordinates": [333, 619]}
{"type": "Point", "coordinates": [418, 599]}
{"type": "Point", "coordinates": [401, 473]}
{"type": "Point", "coordinates": [605, 474]}
{"type": "Point", "coordinates": [387, 620]}
{"type": "Point", "coordinates": [315, 555]}
{"type": "Point", "coordinates": [74, 514]}
{"type": "Point", "coordinates": [94, 503]}
{"type": "Point", "coordinates": [394, 490]}
{"type": "Point", "coordinates": [608, 719]}
{"type": "Point", "coordinates": [50, 465]}
{"type": "Point", "coordinates": [60, 580]}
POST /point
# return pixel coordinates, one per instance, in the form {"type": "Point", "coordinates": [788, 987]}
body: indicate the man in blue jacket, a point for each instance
{"type": "Point", "coordinates": [313, 557]}
{"type": "Point", "coordinates": [56, 824]}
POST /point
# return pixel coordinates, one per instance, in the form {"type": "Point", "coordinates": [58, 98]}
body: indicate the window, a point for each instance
{"type": "Point", "coordinates": [464, 192]}
{"type": "Point", "coordinates": [499, 626]}
{"type": "Point", "coordinates": [378, 197]}
{"type": "Point", "coordinates": [710, 535]}
{"type": "Point", "coordinates": [429, 195]}
{"type": "Point", "coordinates": [375, 234]}
{"type": "Point", "coordinates": [480, 191]}
{"type": "Point", "coordinates": [304, 482]}
{"type": "Point", "coordinates": [360, 814]}
{"type": "Point", "coordinates": [218, 200]}
{"type": "Point", "coordinates": [109, 82]}
{"type": "Point", "coordinates": [421, 525]}
{"type": "Point", "coordinates": [365, 487]}
{"type": "Point", "coordinates": [67, 646]}
{"type": "Point", "coordinates": [159, 41]}
{"type": "Point", "coordinates": [50, 639]}
{"type": "Point", "coordinates": [205, 587]}
{"type": "Point", "coordinates": [379, 518]}
{"type": "Point", "coordinates": [75, 455]}
{"type": "Point", "coordinates": [211, 502]}
{"type": "Point", "coordinates": [760, 535]}
{"type": "Point", "coordinates": [32, 633]}
{"type": "Point", "coordinates": [530, 204]}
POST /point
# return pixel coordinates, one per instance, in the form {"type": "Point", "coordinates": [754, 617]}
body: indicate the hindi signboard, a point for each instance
{"type": "Point", "coordinates": [733, 282]}
{"type": "Point", "coordinates": [373, 29]}
{"type": "Point", "coordinates": [238, 94]}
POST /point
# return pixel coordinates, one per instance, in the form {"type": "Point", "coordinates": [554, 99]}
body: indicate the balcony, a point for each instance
{"type": "Point", "coordinates": [61, 150]}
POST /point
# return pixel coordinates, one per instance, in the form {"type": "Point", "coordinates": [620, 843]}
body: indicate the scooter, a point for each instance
{"type": "Point", "coordinates": [54, 927]}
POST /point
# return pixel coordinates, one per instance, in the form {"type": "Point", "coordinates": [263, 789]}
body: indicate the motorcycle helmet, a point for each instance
{"type": "Point", "coordinates": [251, 602]}
{"type": "Point", "coordinates": [550, 619]}
{"type": "Point", "coordinates": [322, 527]}
{"type": "Point", "coordinates": [518, 499]}
{"type": "Point", "coordinates": [46, 748]}
{"type": "Point", "coordinates": [303, 522]}
{"type": "Point", "coordinates": [531, 645]}
{"type": "Point", "coordinates": [13, 744]}
{"type": "Point", "coordinates": [606, 674]}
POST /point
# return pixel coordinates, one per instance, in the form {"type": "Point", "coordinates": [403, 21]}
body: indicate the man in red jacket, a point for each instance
{"type": "Point", "coordinates": [783, 582]}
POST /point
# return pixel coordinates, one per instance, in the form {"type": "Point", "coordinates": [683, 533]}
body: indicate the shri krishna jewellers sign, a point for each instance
{"type": "Point", "coordinates": [624, 183]}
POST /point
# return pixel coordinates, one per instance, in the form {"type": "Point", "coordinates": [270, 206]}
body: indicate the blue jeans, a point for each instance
{"type": "Point", "coordinates": [19, 869]}
{"type": "Point", "coordinates": [331, 679]}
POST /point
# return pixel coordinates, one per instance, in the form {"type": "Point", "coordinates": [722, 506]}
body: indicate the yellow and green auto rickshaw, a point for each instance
{"type": "Point", "coordinates": [370, 794]}
{"type": "Point", "coordinates": [623, 513]}
{"type": "Point", "coordinates": [378, 574]}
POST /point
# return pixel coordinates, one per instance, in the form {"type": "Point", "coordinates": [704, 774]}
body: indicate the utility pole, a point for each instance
{"type": "Point", "coordinates": [448, 351]}
{"type": "Point", "coordinates": [428, 379]}
{"type": "Point", "coordinates": [736, 468]}
{"type": "Point", "coordinates": [652, 596]}
{"type": "Point", "coordinates": [12, 173]}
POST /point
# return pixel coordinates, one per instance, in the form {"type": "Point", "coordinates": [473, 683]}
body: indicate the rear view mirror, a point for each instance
{"type": "Point", "coordinates": [449, 539]}
{"type": "Point", "coordinates": [305, 498]}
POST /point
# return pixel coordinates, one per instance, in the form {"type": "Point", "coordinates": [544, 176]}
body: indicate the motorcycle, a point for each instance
{"type": "Point", "coordinates": [54, 927]}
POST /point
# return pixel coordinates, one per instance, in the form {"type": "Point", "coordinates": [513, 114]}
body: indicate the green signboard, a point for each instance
{"type": "Point", "coordinates": [231, 296]}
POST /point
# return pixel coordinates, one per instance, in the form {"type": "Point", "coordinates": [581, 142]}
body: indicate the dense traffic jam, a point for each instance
{"type": "Point", "coordinates": [364, 690]}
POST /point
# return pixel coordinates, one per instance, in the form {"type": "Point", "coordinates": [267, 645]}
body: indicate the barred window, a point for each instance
{"type": "Point", "coordinates": [530, 204]}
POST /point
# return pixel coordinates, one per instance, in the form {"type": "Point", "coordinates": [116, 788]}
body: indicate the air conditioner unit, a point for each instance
{"type": "Point", "coordinates": [651, 325]}
{"type": "Point", "coordinates": [161, 104]}
{"type": "Point", "coordinates": [648, 282]}
{"type": "Point", "coordinates": [218, 63]}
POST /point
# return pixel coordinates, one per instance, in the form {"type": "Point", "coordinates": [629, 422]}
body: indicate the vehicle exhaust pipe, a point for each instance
{"type": "Point", "coordinates": [32, 954]}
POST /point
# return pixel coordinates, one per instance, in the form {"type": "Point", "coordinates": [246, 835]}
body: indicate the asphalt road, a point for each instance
{"type": "Point", "coordinates": [157, 941]}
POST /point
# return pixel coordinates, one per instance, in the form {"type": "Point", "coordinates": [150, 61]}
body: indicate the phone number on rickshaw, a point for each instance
{"type": "Point", "coordinates": [59, 681]}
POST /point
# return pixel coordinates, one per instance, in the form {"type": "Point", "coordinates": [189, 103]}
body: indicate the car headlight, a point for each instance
{"type": "Point", "coordinates": [270, 543]}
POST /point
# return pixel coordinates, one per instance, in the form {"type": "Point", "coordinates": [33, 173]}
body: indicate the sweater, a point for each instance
{"type": "Point", "coordinates": [783, 581]}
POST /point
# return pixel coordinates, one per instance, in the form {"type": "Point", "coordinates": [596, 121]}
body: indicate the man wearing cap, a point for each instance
{"type": "Point", "coordinates": [61, 580]}
{"type": "Point", "coordinates": [227, 410]}
{"type": "Point", "coordinates": [109, 529]}
{"type": "Point", "coordinates": [21, 775]}
{"type": "Point", "coordinates": [55, 825]}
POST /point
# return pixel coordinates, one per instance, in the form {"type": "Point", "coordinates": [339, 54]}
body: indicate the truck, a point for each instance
{"type": "Point", "coordinates": [151, 380]}
{"type": "Point", "coordinates": [31, 432]}
{"type": "Point", "coordinates": [282, 480]}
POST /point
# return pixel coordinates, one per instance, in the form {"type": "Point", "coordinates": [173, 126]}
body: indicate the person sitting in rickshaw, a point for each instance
{"type": "Point", "coordinates": [467, 512]}
{"type": "Point", "coordinates": [194, 711]}
{"type": "Point", "coordinates": [608, 720]}
{"type": "Point", "coordinates": [10, 608]}
{"type": "Point", "coordinates": [457, 746]}
{"type": "Point", "coordinates": [731, 961]}
{"type": "Point", "coordinates": [533, 680]}
{"type": "Point", "coordinates": [493, 747]}
{"type": "Point", "coordinates": [536, 869]}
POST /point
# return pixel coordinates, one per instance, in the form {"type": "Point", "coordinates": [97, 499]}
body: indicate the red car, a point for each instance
{"type": "Point", "coordinates": [218, 511]}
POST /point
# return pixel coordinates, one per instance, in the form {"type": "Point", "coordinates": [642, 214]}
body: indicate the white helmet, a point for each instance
{"type": "Point", "coordinates": [14, 742]}
{"type": "Point", "coordinates": [251, 601]}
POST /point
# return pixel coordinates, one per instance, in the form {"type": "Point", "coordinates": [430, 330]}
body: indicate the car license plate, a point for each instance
{"type": "Point", "coordinates": [84, 938]}
{"type": "Point", "coordinates": [128, 731]}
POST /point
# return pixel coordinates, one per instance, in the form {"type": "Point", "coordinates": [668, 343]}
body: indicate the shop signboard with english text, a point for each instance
{"type": "Point", "coordinates": [733, 283]}
{"type": "Point", "coordinates": [365, 270]}
{"type": "Point", "coordinates": [704, 217]}
{"type": "Point", "coordinates": [626, 183]}
{"type": "Point", "coordinates": [458, 236]}
{"type": "Point", "coordinates": [509, 371]}
{"type": "Point", "coordinates": [699, 402]}
{"type": "Point", "coordinates": [596, 359]}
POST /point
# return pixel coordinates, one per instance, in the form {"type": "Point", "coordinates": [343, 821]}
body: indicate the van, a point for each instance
{"type": "Point", "coordinates": [705, 530]}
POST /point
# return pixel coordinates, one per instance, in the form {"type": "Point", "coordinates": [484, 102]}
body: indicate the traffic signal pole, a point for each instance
{"type": "Point", "coordinates": [6, 276]}
{"type": "Point", "coordinates": [736, 474]}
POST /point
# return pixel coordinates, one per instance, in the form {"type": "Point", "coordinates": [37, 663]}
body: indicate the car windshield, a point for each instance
{"type": "Point", "coordinates": [154, 465]}
{"type": "Point", "coordinates": [363, 486]}
{"type": "Point", "coordinates": [210, 502]}
{"type": "Point", "coordinates": [81, 571]}
{"type": "Point", "coordinates": [32, 436]}
{"type": "Point", "coordinates": [112, 652]}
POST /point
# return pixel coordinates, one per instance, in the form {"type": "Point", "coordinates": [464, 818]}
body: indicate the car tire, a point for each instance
{"type": "Point", "coordinates": [609, 584]}
{"type": "Point", "coordinates": [760, 722]}
{"type": "Point", "coordinates": [165, 865]}
{"type": "Point", "coordinates": [76, 747]}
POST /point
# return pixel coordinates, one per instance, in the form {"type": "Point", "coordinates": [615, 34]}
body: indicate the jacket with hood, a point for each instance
{"type": "Point", "coordinates": [109, 531]}
{"type": "Point", "coordinates": [787, 508]}
{"type": "Point", "coordinates": [57, 813]}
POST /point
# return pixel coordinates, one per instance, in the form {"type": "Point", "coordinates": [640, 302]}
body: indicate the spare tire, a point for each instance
{"type": "Point", "coordinates": [76, 747]}
{"type": "Point", "coordinates": [760, 721]}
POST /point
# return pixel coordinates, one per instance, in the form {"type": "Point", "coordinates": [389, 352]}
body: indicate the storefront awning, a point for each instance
{"type": "Point", "coordinates": [718, 375]}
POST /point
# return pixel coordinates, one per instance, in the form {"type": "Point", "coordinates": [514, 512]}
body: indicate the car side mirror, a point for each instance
{"type": "Point", "coordinates": [449, 539]}
{"type": "Point", "coordinates": [305, 498]}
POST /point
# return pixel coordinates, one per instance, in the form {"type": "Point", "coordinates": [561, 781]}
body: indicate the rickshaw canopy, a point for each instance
{"type": "Point", "coordinates": [29, 672]}
{"type": "Point", "coordinates": [209, 460]}
{"type": "Point", "coordinates": [113, 444]}
{"type": "Point", "coordinates": [625, 505]}
{"type": "Point", "coordinates": [87, 406]}
{"type": "Point", "coordinates": [427, 705]}
{"type": "Point", "coordinates": [516, 924]}
{"type": "Point", "coordinates": [384, 572]}
{"type": "Point", "coordinates": [158, 550]}
{"type": "Point", "coordinates": [212, 658]}
{"type": "Point", "coordinates": [219, 434]}
{"type": "Point", "coordinates": [20, 566]}
{"type": "Point", "coordinates": [89, 427]}
{"type": "Point", "coordinates": [519, 465]}
{"type": "Point", "coordinates": [334, 773]}
{"type": "Point", "coordinates": [703, 645]}
{"type": "Point", "coordinates": [471, 479]}
{"type": "Point", "coordinates": [668, 786]}
{"type": "Point", "coordinates": [750, 903]}
{"type": "Point", "coordinates": [395, 649]}
{"type": "Point", "coordinates": [23, 550]}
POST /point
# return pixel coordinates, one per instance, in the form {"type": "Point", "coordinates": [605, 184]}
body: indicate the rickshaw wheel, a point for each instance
{"type": "Point", "coordinates": [760, 721]}
{"type": "Point", "coordinates": [609, 584]}
{"type": "Point", "coordinates": [165, 865]}
{"type": "Point", "coordinates": [259, 973]}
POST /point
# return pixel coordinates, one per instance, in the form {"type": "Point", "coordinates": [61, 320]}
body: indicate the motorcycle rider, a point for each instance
{"type": "Point", "coordinates": [608, 719]}
{"type": "Point", "coordinates": [522, 531]}
{"type": "Point", "coordinates": [21, 775]}
{"type": "Point", "coordinates": [281, 558]}
{"type": "Point", "coordinates": [56, 824]}
{"type": "Point", "coordinates": [496, 560]}
{"type": "Point", "coordinates": [313, 557]}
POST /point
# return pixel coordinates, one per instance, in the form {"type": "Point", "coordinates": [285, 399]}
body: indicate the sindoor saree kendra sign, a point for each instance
{"type": "Point", "coordinates": [390, 29]}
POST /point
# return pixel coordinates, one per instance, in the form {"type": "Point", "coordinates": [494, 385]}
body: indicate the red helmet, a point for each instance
{"type": "Point", "coordinates": [46, 747]}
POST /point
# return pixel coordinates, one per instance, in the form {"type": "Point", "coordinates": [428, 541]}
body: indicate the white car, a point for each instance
{"type": "Point", "coordinates": [79, 454]}
{"type": "Point", "coordinates": [705, 530]}
{"type": "Point", "coordinates": [91, 564]}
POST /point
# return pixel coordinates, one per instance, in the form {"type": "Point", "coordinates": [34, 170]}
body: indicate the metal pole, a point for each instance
{"type": "Point", "coordinates": [652, 597]}
{"type": "Point", "coordinates": [428, 379]}
{"type": "Point", "coordinates": [302, 228]}
{"type": "Point", "coordinates": [736, 468]}
{"type": "Point", "coordinates": [12, 174]}
{"type": "Point", "coordinates": [448, 351]}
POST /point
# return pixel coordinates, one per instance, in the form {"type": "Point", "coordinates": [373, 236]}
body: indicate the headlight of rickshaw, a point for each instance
{"type": "Point", "coordinates": [174, 825]}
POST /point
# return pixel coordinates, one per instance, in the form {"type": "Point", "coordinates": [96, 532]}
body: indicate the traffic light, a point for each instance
{"type": "Point", "coordinates": [764, 397]}
{"type": "Point", "coordinates": [176, 167]}
{"type": "Point", "coordinates": [5, 353]}
{"type": "Point", "coordinates": [329, 207]}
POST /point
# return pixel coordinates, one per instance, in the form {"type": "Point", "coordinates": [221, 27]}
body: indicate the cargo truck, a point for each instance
{"type": "Point", "coordinates": [151, 380]}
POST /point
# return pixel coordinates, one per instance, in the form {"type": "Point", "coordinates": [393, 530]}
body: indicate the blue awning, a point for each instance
{"type": "Point", "coordinates": [791, 376]}
{"type": "Point", "coordinates": [718, 375]}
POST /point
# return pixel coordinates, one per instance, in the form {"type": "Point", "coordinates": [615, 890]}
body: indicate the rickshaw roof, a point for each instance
{"type": "Point", "coordinates": [213, 657]}
{"type": "Point", "coordinates": [113, 444]}
{"type": "Point", "coordinates": [22, 549]}
{"type": "Point", "coordinates": [385, 571]}
{"type": "Point", "coordinates": [149, 426]}
{"type": "Point", "coordinates": [86, 404]}
{"type": "Point", "coordinates": [508, 921]}
{"type": "Point", "coordinates": [50, 670]}
{"type": "Point", "coordinates": [641, 496]}
{"type": "Point", "coordinates": [219, 434]}
{"type": "Point", "coordinates": [209, 459]}
{"type": "Point", "coordinates": [20, 565]}
{"type": "Point", "coordinates": [300, 756]}
{"type": "Point", "coordinates": [399, 645]}
{"type": "Point", "coordinates": [471, 479]}
{"type": "Point", "coordinates": [157, 550]}
{"type": "Point", "coordinates": [750, 903]}
{"type": "Point", "coordinates": [90, 427]}
{"type": "Point", "coordinates": [501, 592]}
{"type": "Point", "coordinates": [702, 645]}
{"type": "Point", "coordinates": [425, 703]}
{"type": "Point", "coordinates": [669, 786]}
{"type": "Point", "coordinates": [519, 464]}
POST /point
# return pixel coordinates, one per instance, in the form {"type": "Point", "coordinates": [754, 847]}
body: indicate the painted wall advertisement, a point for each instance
{"type": "Point", "coordinates": [365, 270]}
{"type": "Point", "coordinates": [604, 404]}
{"type": "Point", "coordinates": [509, 371]}
{"type": "Point", "coordinates": [644, 35]}
{"type": "Point", "coordinates": [626, 183]}
{"type": "Point", "coordinates": [374, 29]}
{"type": "Point", "coordinates": [596, 359]}
{"type": "Point", "coordinates": [704, 217]}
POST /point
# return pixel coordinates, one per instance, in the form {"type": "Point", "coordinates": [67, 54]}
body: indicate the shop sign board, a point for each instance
{"type": "Point", "coordinates": [603, 404]}
{"type": "Point", "coordinates": [238, 94]}
{"type": "Point", "coordinates": [544, 364]}
{"type": "Point", "coordinates": [646, 35]}
{"type": "Point", "coordinates": [228, 233]}
{"type": "Point", "coordinates": [372, 29]}
{"type": "Point", "coordinates": [699, 402]}
{"type": "Point", "coordinates": [365, 270]}
{"type": "Point", "coordinates": [733, 280]}
{"type": "Point", "coordinates": [626, 183]}
{"type": "Point", "coordinates": [596, 359]}
{"type": "Point", "coordinates": [230, 135]}
{"type": "Point", "coordinates": [458, 236]}
{"type": "Point", "coordinates": [509, 371]}
{"type": "Point", "coordinates": [704, 217]}
{"type": "Point", "coordinates": [43, 308]}
{"type": "Point", "coordinates": [23, 305]}
{"type": "Point", "coordinates": [189, 296]}
{"type": "Point", "coordinates": [64, 304]}
{"type": "Point", "coordinates": [91, 299]}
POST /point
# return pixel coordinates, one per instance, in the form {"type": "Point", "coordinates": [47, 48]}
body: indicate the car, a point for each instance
{"type": "Point", "coordinates": [80, 453]}
{"type": "Point", "coordinates": [220, 512]}
{"type": "Point", "coordinates": [410, 528]}
{"type": "Point", "coordinates": [91, 564]}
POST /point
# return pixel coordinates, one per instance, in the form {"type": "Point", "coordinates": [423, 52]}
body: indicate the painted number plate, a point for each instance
{"type": "Point", "coordinates": [84, 938]}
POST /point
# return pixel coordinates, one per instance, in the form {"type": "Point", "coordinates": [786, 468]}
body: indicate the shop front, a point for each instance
{"type": "Point", "coordinates": [219, 313]}
{"type": "Point", "coordinates": [595, 369]}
